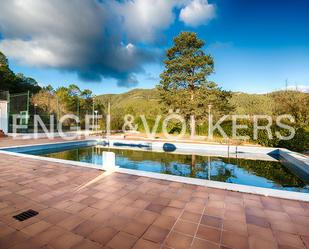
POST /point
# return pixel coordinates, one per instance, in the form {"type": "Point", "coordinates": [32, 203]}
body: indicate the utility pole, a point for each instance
{"type": "Point", "coordinates": [78, 112]}
{"type": "Point", "coordinates": [209, 119]}
{"type": "Point", "coordinates": [108, 119]}
{"type": "Point", "coordinates": [93, 98]}
{"type": "Point", "coordinates": [28, 105]}
{"type": "Point", "coordinates": [58, 111]}
{"type": "Point", "coordinates": [96, 121]}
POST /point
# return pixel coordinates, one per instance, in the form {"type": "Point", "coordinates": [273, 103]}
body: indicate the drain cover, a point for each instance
{"type": "Point", "coordinates": [26, 215]}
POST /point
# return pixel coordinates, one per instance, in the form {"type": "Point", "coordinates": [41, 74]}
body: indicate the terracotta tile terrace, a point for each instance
{"type": "Point", "coordinates": [84, 208]}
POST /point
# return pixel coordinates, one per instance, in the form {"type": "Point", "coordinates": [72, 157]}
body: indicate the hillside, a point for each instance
{"type": "Point", "coordinates": [146, 101]}
{"type": "Point", "coordinates": [137, 101]}
{"type": "Point", "coordinates": [251, 104]}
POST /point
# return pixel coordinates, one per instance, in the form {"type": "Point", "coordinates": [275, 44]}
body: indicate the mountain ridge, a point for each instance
{"type": "Point", "coordinates": [147, 101]}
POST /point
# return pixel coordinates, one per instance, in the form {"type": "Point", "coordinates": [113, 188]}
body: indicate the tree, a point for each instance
{"type": "Point", "coordinates": [74, 90]}
{"type": "Point", "coordinates": [294, 103]}
{"type": "Point", "coordinates": [15, 83]}
{"type": "Point", "coordinates": [63, 97]}
{"type": "Point", "coordinates": [184, 83]}
{"type": "Point", "coordinates": [3, 60]}
{"type": "Point", "coordinates": [46, 102]}
{"type": "Point", "coordinates": [7, 77]}
{"type": "Point", "coordinates": [86, 102]}
{"type": "Point", "coordinates": [27, 83]}
{"type": "Point", "coordinates": [48, 88]}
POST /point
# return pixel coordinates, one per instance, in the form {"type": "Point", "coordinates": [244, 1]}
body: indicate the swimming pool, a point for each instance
{"type": "Point", "coordinates": [259, 173]}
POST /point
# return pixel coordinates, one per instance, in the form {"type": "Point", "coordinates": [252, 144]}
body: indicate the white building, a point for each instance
{"type": "Point", "coordinates": [4, 116]}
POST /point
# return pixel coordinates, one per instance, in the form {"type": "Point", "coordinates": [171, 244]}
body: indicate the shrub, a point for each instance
{"type": "Point", "coordinates": [300, 142]}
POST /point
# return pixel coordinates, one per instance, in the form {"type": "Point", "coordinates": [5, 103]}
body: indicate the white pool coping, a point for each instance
{"type": "Point", "coordinates": [187, 180]}
{"type": "Point", "coordinates": [245, 152]}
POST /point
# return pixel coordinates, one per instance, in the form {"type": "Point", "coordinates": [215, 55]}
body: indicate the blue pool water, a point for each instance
{"type": "Point", "coordinates": [268, 174]}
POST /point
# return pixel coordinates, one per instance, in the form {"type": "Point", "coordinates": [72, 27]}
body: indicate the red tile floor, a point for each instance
{"type": "Point", "coordinates": [85, 208]}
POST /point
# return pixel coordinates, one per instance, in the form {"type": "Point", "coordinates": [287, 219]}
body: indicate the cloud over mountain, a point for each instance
{"type": "Point", "coordinates": [95, 39]}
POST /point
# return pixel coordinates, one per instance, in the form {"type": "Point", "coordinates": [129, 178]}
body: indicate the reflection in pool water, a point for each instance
{"type": "Point", "coordinates": [269, 174]}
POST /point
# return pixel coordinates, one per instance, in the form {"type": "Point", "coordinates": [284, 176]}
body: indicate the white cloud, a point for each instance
{"type": "Point", "coordinates": [79, 36]}
{"type": "Point", "coordinates": [95, 39]}
{"type": "Point", "coordinates": [301, 88]}
{"type": "Point", "coordinates": [31, 53]}
{"type": "Point", "coordinates": [141, 19]}
{"type": "Point", "coordinates": [197, 12]}
{"type": "Point", "coordinates": [49, 33]}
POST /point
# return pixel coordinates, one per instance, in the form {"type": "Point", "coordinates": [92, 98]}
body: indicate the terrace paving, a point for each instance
{"type": "Point", "coordinates": [120, 211]}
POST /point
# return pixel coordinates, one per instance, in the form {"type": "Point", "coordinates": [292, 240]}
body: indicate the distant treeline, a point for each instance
{"type": "Point", "coordinates": [147, 102]}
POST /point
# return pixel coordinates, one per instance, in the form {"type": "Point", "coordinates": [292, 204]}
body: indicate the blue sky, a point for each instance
{"type": "Point", "coordinates": [257, 44]}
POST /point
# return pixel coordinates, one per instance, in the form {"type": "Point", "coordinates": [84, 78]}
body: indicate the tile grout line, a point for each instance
{"type": "Point", "coordinates": [199, 223]}
{"type": "Point", "coordinates": [178, 218]}
{"type": "Point", "coordinates": [221, 232]}
{"type": "Point", "coordinates": [298, 234]}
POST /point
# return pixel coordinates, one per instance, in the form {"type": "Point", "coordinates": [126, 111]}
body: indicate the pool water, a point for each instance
{"type": "Point", "coordinates": [268, 174]}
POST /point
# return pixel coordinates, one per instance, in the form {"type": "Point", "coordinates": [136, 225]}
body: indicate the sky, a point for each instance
{"type": "Point", "coordinates": [112, 46]}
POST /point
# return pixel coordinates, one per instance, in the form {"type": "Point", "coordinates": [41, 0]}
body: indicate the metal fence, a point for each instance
{"type": "Point", "coordinates": [4, 95]}
{"type": "Point", "coordinates": [21, 112]}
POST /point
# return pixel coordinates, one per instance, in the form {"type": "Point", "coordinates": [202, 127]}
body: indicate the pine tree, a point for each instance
{"type": "Point", "coordinates": [184, 85]}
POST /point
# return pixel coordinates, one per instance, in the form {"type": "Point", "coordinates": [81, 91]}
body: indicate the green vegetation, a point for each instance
{"type": "Point", "coordinates": [147, 101]}
{"type": "Point", "coordinates": [135, 102]}
{"type": "Point", "coordinates": [294, 103]}
{"type": "Point", "coordinates": [15, 83]}
{"type": "Point", "coordinates": [66, 100]}
{"type": "Point", "coordinates": [184, 85]}
{"type": "Point", "coordinates": [45, 101]}
{"type": "Point", "coordinates": [251, 104]}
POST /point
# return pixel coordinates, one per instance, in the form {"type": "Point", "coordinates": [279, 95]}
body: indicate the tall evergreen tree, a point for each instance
{"type": "Point", "coordinates": [184, 83]}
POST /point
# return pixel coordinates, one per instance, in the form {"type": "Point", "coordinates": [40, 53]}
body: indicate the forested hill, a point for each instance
{"type": "Point", "coordinates": [137, 101]}
{"type": "Point", "coordinates": [147, 101]}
